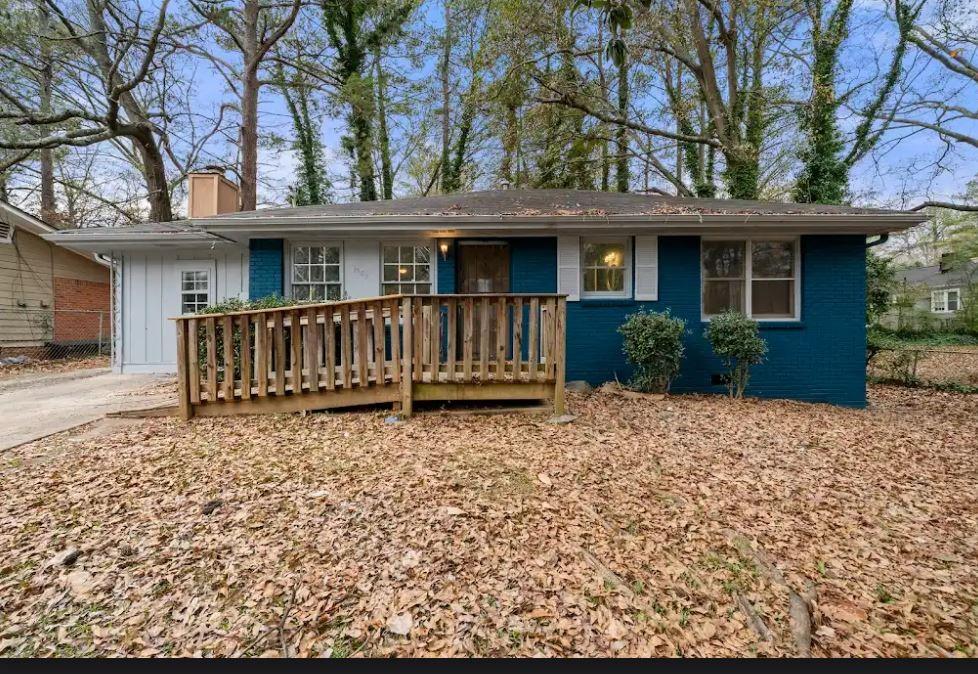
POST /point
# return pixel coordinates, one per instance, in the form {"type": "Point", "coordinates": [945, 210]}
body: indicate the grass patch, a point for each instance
{"type": "Point", "coordinates": [932, 339]}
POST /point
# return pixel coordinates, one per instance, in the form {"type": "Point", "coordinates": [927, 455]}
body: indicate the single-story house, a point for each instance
{"type": "Point", "coordinates": [798, 269]}
{"type": "Point", "coordinates": [53, 300]}
{"type": "Point", "coordinates": [937, 292]}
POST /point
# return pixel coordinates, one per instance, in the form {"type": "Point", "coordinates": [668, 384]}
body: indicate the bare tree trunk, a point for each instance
{"type": "Point", "coordinates": [603, 86]}
{"type": "Point", "coordinates": [621, 134]}
{"type": "Point", "coordinates": [48, 204]}
{"type": "Point", "coordinates": [138, 129]}
{"type": "Point", "coordinates": [679, 146]}
{"type": "Point", "coordinates": [445, 71]}
{"type": "Point", "coordinates": [249, 141]}
{"type": "Point", "coordinates": [154, 172]}
{"type": "Point", "coordinates": [248, 136]}
{"type": "Point", "coordinates": [383, 136]}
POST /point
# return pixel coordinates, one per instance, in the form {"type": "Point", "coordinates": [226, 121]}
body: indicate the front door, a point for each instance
{"type": "Point", "coordinates": [483, 268]}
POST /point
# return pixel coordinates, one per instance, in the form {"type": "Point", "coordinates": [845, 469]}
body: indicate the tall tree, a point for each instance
{"type": "Point", "coordinates": [826, 162]}
{"type": "Point", "coordinates": [444, 75]}
{"type": "Point", "coordinates": [944, 105]}
{"type": "Point", "coordinates": [121, 54]}
{"type": "Point", "coordinates": [621, 133]}
{"type": "Point", "coordinates": [312, 185]}
{"type": "Point", "coordinates": [252, 28]}
{"type": "Point", "coordinates": [357, 28]}
{"type": "Point", "coordinates": [383, 132]}
{"type": "Point", "coordinates": [45, 76]}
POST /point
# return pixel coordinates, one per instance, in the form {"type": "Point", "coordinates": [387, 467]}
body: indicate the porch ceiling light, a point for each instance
{"type": "Point", "coordinates": [443, 249]}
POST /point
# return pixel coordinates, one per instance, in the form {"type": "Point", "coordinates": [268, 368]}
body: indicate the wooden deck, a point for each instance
{"type": "Point", "coordinates": [394, 349]}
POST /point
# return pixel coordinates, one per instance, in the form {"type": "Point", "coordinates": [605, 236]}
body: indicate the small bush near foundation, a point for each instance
{"type": "Point", "coordinates": [736, 339]}
{"type": "Point", "coordinates": [653, 344]}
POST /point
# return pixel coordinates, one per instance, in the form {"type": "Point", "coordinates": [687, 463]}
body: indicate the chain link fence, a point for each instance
{"type": "Point", "coordinates": [53, 338]}
{"type": "Point", "coordinates": [945, 367]}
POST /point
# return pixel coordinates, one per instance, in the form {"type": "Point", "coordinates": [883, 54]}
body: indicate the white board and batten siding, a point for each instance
{"type": "Point", "coordinates": [150, 296]}
{"type": "Point", "coordinates": [646, 267]}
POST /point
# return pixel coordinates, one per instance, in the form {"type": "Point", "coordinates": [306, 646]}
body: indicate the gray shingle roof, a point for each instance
{"type": "Point", "coordinates": [933, 277]}
{"type": "Point", "coordinates": [501, 211]}
{"type": "Point", "coordinates": [553, 202]}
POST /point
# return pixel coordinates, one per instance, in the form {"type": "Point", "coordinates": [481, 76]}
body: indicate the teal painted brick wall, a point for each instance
{"type": "Point", "coordinates": [445, 269]}
{"type": "Point", "coordinates": [821, 358]}
{"type": "Point", "coordinates": [265, 268]}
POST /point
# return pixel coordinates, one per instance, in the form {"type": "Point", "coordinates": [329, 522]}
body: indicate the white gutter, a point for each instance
{"type": "Point", "coordinates": [451, 226]}
{"type": "Point", "coordinates": [550, 221]}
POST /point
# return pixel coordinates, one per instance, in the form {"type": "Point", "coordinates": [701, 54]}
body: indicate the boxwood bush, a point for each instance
{"type": "Point", "coordinates": [653, 345]}
{"type": "Point", "coordinates": [736, 339]}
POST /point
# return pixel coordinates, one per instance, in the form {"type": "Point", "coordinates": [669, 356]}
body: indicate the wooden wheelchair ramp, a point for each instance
{"type": "Point", "coordinates": [394, 349]}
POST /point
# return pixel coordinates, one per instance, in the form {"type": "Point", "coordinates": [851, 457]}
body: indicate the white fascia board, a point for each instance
{"type": "Point", "coordinates": [447, 226]}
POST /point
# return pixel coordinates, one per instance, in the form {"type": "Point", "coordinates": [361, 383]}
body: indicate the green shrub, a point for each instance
{"type": "Point", "coordinates": [230, 306]}
{"type": "Point", "coordinates": [889, 338]}
{"type": "Point", "coordinates": [653, 344]}
{"type": "Point", "coordinates": [736, 340]}
{"type": "Point", "coordinates": [878, 340]}
{"type": "Point", "coordinates": [237, 304]}
{"type": "Point", "coordinates": [966, 318]}
{"type": "Point", "coordinates": [880, 285]}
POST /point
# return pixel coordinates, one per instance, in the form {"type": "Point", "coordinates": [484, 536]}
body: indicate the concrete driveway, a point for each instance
{"type": "Point", "coordinates": [34, 407]}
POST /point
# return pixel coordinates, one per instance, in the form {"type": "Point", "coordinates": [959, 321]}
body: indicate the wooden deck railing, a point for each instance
{"type": "Point", "coordinates": [395, 349]}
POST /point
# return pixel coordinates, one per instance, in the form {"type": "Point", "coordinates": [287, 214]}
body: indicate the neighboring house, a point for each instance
{"type": "Point", "coordinates": [938, 292]}
{"type": "Point", "coordinates": [50, 296]}
{"type": "Point", "coordinates": [798, 269]}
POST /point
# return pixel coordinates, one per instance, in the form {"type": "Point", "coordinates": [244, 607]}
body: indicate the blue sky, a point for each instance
{"type": "Point", "coordinates": [896, 175]}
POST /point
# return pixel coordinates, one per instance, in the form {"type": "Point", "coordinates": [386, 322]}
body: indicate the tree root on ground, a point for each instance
{"type": "Point", "coordinates": [799, 615]}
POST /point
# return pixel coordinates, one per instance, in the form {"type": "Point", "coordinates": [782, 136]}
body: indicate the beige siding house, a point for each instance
{"type": "Point", "coordinates": [45, 289]}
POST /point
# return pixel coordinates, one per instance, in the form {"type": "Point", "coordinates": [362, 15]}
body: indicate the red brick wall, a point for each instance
{"type": "Point", "coordinates": [86, 298]}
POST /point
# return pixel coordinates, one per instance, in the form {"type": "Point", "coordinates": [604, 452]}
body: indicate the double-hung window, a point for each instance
{"type": "Point", "coordinates": [945, 301]}
{"type": "Point", "coordinates": [194, 290]}
{"type": "Point", "coordinates": [758, 277]}
{"type": "Point", "coordinates": [317, 272]}
{"type": "Point", "coordinates": [406, 269]}
{"type": "Point", "coordinates": [606, 267]}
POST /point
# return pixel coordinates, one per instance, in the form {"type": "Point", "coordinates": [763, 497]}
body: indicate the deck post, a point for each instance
{"type": "Point", "coordinates": [560, 357]}
{"type": "Point", "coordinates": [407, 358]}
{"type": "Point", "coordinates": [183, 381]}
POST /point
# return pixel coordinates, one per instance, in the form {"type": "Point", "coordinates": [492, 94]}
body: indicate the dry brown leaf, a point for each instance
{"type": "Point", "coordinates": [335, 525]}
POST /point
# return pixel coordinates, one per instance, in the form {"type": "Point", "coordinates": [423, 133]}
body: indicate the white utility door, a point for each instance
{"type": "Point", "coordinates": [190, 286]}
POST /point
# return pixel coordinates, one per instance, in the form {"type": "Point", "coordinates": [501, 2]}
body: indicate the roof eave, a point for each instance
{"type": "Point", "coordinates": [490, 225]}
{"type": "Point", "coordinates": [102, 241]}
{"type": "Point", "coordinates": [875, 223]}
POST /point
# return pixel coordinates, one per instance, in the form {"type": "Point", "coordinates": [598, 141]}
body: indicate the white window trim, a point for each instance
{"type": "Point", "coordinates": [748, 276]}
{"type": "Point", "coordinates": [290, 254]}
{"type": "Point", "coordinates": [433, 253]}
{"type": "Point", "coordinates": [942, 293]}
{"type": "Point", "coordinates": [629, 268]}
{"type": "Point", "coordinates": [209, 266]}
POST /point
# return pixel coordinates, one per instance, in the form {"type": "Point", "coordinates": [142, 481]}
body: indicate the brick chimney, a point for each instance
{"type": "Point", "coordinates": [210, 193]}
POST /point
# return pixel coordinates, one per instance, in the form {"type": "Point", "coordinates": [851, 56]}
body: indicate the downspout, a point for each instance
{"type": "Point", "coordinates": [878, 242]}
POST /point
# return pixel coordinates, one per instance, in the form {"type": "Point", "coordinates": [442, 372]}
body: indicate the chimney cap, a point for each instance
{"type": "Point", "coordinates": [212, 168]}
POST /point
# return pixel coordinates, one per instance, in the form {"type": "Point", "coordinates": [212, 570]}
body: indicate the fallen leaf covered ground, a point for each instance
{"type": "Point", "coordinates": [340, 534]}
{"type": "Point", "coordinates": [38, 367]}
{"type": "Point", "coordinates": [945, 364]}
